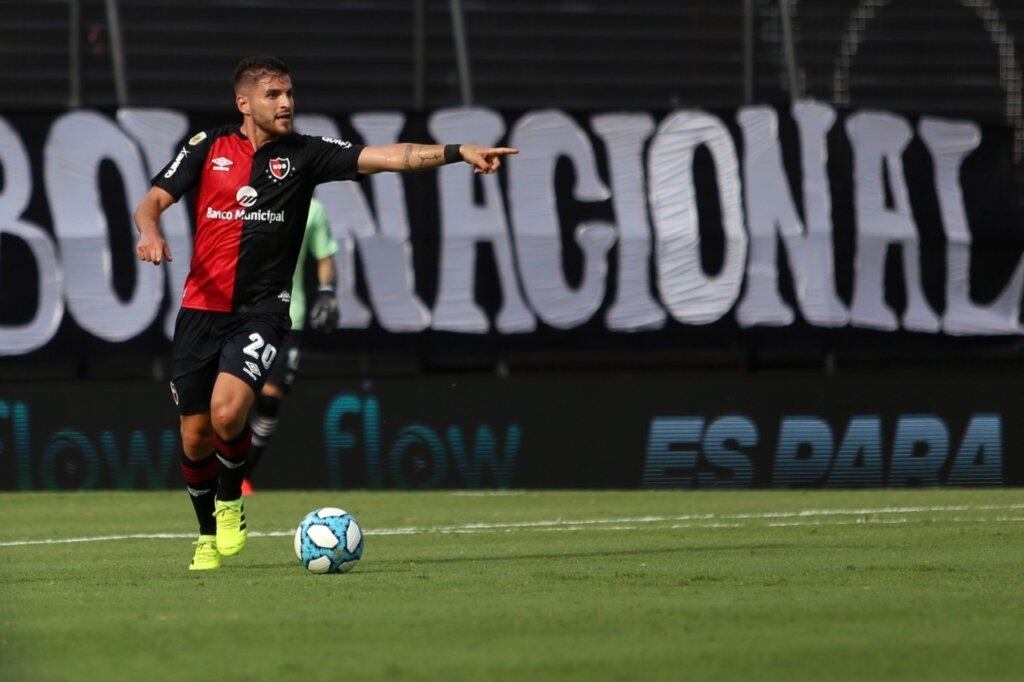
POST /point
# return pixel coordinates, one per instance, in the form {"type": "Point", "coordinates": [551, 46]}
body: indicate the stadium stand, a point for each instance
{"type": "Point", "coordinates": [603, 54]}
{"type": "Point", "coordinates": [534, 53]}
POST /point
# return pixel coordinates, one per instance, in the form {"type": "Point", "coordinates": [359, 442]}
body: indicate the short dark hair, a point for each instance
{"type": "Point", "coordinates": [255, 68]}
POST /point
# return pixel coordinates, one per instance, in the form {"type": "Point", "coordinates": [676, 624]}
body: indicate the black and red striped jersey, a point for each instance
{"type": "Point", "coordinates": [250, 212]}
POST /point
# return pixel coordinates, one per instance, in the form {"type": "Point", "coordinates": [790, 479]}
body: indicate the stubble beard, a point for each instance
{"type": "Point", "coordinates": [273, 127]}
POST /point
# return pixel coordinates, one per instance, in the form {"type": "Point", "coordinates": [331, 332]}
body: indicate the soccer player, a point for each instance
{"type": "Point", "coordinates": [255, 182]}
{"type": "Point", "coordinates": [319, 243]}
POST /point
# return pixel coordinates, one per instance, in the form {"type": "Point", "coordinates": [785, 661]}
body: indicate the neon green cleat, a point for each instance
{"type": "Point", "coordinates": [231, 532]}
{"type": "Point", "coordinates": [206, 557]}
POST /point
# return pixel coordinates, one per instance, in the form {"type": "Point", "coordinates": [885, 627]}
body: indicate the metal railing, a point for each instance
{"type": "Point", "coordinates": [452, 58]}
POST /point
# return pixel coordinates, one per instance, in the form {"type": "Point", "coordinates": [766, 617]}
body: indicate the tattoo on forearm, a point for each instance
{"type": "Point", "coordinates": [427, 158]}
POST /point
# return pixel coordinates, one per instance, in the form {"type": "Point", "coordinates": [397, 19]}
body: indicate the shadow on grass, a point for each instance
{"type": "Point", "coordinates": [393, 565]}
{"type": "Point", "coordinates": [291, 566]}
{"type": "Point", "coordinates": [603, 553]}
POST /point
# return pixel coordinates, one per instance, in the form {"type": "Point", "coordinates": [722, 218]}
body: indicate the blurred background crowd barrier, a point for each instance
{"type": "Point", "coordinates": [761, 202]}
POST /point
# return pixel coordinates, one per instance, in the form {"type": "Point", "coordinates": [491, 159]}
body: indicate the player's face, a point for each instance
{"type": "Point", "coordinates": [271, 104]}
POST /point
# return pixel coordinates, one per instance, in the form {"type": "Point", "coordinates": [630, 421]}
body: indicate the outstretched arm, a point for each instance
{"type": "Point", "coordinates": [409, 157]}
{"type": "Point", "coordinates": [152, 247]}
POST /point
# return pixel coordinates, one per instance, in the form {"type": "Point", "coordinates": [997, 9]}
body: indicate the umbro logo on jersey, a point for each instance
{"type": "Point", "coordinates": [285, 297]}
{"type": "Point", "coordinates": [222, 164]}
{"type": "Point", "coordinates": [246, 196]}
{"type": "Point", "coordinates": [280, 167]}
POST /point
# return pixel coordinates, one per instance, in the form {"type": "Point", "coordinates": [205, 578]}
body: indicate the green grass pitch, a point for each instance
{"type": "Point", "coordinates": [525, 586]}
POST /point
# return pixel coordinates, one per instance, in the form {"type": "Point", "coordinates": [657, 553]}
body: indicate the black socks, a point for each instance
{"type": "Point", "coordinates": [232, 455]}
{"type": "Point", "coordinates": [264, 424]}
{"type": "Point", "coordinates": [201, 482]}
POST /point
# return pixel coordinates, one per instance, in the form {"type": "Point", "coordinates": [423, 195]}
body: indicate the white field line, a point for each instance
{"type": "Point", "coordinates": [855, 522]}
{"type": "Point", "coordinates": [486, 493]}
{"type": "Point", "coordinates": [622, 523]}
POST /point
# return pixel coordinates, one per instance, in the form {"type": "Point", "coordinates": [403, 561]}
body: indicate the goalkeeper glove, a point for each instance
{"type": "Point", "coordinates": [323, 316]}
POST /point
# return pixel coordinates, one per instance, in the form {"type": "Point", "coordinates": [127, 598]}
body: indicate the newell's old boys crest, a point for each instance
{"type": "Point", "coordinates": [280, 168]}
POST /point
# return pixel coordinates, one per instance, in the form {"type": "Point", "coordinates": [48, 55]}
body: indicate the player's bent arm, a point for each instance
{"type": "Point", "coordinates": [151, 247]}
{"type": "Point", "coordinates": [409, 157]}
{"type": "Point", "coordinates": [323, 314]}
{"type": "Point", "coordinates": [325, 273]}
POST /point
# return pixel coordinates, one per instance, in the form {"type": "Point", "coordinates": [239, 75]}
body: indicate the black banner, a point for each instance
{"type": "Point", "coordinates": [623, 235]}
{"type": "Point", "coordinates": [678, 430]}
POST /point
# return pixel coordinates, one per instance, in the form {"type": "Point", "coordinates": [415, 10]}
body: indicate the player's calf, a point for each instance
{"type": "Point", "coordinates": [233, 455]}
{"type": "Point", "coordinates": [201, 477]}
{"type": "Point", "coordinates": [263, 424]}
{"type": "Point", "coordinates": [229, 408]}
{"type": "Point", "coordinates": [228, 511]}
{"type": "Point", "coordinates": [200, 469]}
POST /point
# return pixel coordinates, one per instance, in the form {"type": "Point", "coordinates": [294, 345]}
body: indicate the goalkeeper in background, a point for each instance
{"type": "Point", "coordinates": [323, 317]}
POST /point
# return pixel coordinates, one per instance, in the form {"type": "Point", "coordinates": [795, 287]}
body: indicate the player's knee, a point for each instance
{"type": "Point", "coordinates": [228, 418]}
{"type": "Point", "coordinates": [272, 391]}
{"type": "Point", "coordinates": [196, 441]}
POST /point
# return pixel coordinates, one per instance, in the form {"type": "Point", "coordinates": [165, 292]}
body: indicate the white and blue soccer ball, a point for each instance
{"type": "Point", "coordinates": [329, 540]}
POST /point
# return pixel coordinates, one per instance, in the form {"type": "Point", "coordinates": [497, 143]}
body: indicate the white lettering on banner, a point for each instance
{"type": "Point", "coordinates": [690, 295]}
{"type": "Point", "coordinates": [879, 138]}
{"type": "Point", "coordinates": [79, 142]}
{"type": "Point", "coordinates": [391, 245]}
{"type": "Point", "coordinates": [950, 143]}
{"type": "Point", "coordinates": [349, 217]}
{"type": "Point", "coordinates": [16, 339]}
{"type": "Point", "coordinates": [527, 242]}
{"type": "Point", "coordinates": [542, 137]}
{"type": "Point", "coordinates": [464, 224]}
{"type": "Point", "coordinates": [770, 207]}
{"type": "Point", "coordinates": [624, 135]}
{"type": "Point", "coordinates": [386, 254]}
{"type": "Point", "coordinates": [156, 131]}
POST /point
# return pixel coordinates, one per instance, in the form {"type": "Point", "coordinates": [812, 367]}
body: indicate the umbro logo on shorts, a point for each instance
{"type": "Point", "coordinates": [252, 369]}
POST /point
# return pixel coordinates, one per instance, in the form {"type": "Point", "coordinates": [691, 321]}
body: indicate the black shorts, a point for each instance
{"type": "Point", "coordinates": [206, 343]}
{"type": "Point", "coordinates": [286, 365]}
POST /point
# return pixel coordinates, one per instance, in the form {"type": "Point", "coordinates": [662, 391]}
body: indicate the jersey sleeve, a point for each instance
{"type": "Point", "coordinates": [321, 242]}
{"type": "Point", "coordinates": [333, 159]}
{"type": "Point", "coordinates": [183, 172]}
